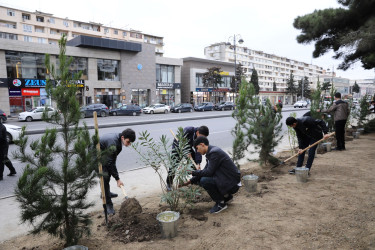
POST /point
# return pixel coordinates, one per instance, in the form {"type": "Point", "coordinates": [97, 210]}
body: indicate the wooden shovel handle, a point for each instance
{"type": "Point", "coordinates": [100, 164]}
{"type": "Point", "coordinates": [195, 165]}
{"type": "Point", "coordinates": [123, 191]}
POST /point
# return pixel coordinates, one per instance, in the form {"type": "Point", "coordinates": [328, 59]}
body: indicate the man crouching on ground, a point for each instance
{"type": "Point", "coordinates": [220, 178]}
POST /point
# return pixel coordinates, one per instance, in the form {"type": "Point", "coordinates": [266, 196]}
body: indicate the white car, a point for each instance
{"type": "Point", "coordinates": [34, 114]}
{"type": "Point", "coordinates": [301, 104]}
{"type": "Point", "coordinates": [13, 132]}
{"type": "Point", "coordinates": [157, 108]}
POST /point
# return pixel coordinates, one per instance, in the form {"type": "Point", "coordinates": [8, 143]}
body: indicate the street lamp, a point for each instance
{"type": "Point", "coordinates": [240, 41]}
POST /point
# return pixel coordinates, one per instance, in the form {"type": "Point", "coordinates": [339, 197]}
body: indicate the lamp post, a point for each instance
{"type": "Point", "coordinates": [240, 41]}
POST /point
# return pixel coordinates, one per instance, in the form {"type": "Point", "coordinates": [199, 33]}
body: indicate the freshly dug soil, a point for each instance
{"type": "Point", "coordinates": [129, 208]}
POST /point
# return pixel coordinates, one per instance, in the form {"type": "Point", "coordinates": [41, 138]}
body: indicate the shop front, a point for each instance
{"type": "Point", "coordinates": [140, 97]}
{"type": "Point", "coordinates": [168, 93]}
{"type": "Point", "coordinates": [211, 95]}
{"type": "Point", "coordinates": [110, 97]}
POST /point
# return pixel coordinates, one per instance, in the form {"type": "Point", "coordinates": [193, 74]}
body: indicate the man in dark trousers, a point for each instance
{"type": "Point", "coordinates": [220, 178]}
{"type": "Point", "coordinates": [113, 143]}
{"type": "Point", "coordinates": [308, 132]}
{"type": "Point", "coordinates": [341, 113]}
{"type": "Point", "coordinates": [191, 133]}
{"type": "Point", "coordinates": [4, 146]}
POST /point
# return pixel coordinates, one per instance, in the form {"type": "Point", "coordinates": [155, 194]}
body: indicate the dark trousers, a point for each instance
{"type": "Point", "coordinates": [340, 133]}
{"type": "Point", "coordinates": [305, 143]}
{"type": "Point", "coordinates": [4, 160]}
{"type": "Point", "coordinates": [209, 185]}
{"type": "Point", "coordinates": [107, 190]}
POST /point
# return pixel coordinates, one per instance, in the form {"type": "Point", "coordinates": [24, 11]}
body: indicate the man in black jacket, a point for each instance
{"type": "Point", "coordinates": [4, 146]}
{"type": "Point", "coordinates": [308, 132]}
{"type": "Point", "coordinates": [220, 178]}
{"type": "Point", "coordinates": [113, 142]}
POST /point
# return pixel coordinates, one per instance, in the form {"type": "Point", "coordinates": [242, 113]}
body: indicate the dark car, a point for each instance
{"type": "Point", "coordinates": [126, 110]}
{"type": "Point", "coordinates": [3, 116]}
{"type": "Point", "coordinates": [88, 111]}
{"type": "Point", "coordinates": [225, 106]}
{"type": "Point", "coordinates": [205, 106]}
{"type": "Point", "coordinates": [183, 107]}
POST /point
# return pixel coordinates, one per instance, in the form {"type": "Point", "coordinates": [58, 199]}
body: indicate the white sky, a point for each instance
{"type": "Point", "coordinates": [189, 26]}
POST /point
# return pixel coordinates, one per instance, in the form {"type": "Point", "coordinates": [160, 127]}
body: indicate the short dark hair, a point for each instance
{"type": "Point", "coordinates": [290, 120]}
{"type": "Point", "coordinates": [338, 95]}
{"type": "Point", "coordinates": [201, 139]}
{"type": "Point", "coordinates": [129, 134]}
{"type": "Point", "coordinates": [203, 130]}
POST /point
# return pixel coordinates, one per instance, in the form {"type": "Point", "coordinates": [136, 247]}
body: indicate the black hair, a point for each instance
{"type": "Point", "coordinates": [203, 130]}
{"type": "Point", "coordinates": [201, 139]}
{"type": "Point", "coordinates": [338, 95]}
{"type": "Point", "coordinates": [290, 120]}
{"type": "Point", "coordinates": [129, 134]}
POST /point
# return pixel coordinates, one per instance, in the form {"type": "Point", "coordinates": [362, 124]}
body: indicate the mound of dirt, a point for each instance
{"type": "Point", "coordinates": [129, 208]}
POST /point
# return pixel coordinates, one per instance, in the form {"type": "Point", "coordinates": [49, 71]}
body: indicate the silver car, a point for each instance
{"type": "Point", "coordinates": [157, 108]}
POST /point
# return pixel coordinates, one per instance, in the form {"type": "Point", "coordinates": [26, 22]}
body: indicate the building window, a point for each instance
{"type": "Point", "coordinates": [66, 23]}
{"type": "Point", "coordinates": [79, 64]}
{"type": "Point", "coordinates": [27, 28]}
{"type": "Point", "coordinates": [124, 33]}
{"type": "Point", "coordinates": [74, 35]}
{"type": "Point", "coordinates": [11, 13]}
{"type": "Point", "coordinates": [53, 42]}
{"type": "Point", "coordinates": [108, 70]}
{"type": "Point", "coordinates": [8, 25]}
{"type": "Point", "coordinates": [106, 30]}
{"type": "Point", "coordinates": [40, 19]}
{"type": "Point", "coordinates": [51, 20]}
{"type": "Point", "coordinates": [25, 17]}
{"type": "Point", "coordinates": [28, 39]}
{"type": "Point", "coordinates": [25, 65]}
{"type": "Point", "coordinates": [42, 40]}
{"type": "Point", "coordinates": [39, 29]}
{"type": "Point", "coordinates": [8, 36]}
{"type": "Point", "coordinates": [53, 32]}
{"type": "Point", "coordinates": [115, 32]}
{"type": "Point", "coordinates": [165, 73]}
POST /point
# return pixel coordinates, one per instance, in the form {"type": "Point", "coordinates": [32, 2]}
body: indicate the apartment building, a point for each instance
{"type": "Point", "coordinates": [45, 28]}
{"type": "Point", "coordinates": [271, 68]}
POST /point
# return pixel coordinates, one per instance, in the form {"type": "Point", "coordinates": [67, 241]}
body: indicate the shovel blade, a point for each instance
{"type": "Point", "coordinates": [105, 214]}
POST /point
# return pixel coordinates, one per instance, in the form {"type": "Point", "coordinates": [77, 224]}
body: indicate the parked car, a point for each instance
{"type": "Point", "coordinates": [88, 110]}
{"type": "Point", "coordinates": [157, 108]}
{"type": "Point", "coordinates": [34, 114]}
{"type": "Point", "coordinates": [301, 104]}
{"type": "Point", "coordinates": [205, 106]}
{"type": "Point", "coordinates": [126, 110]}
{"type": "Point", "coordinates": [182, 107]}
{"type": "Point", "coordinates": [13, 132]}
{"type": "Point", "coordinates": [3, 116]}
{"type": "Point", "coordinates": [225, 106]}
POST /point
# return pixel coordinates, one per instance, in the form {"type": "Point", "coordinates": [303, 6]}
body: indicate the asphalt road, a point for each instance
{"type": "Point", "coordinates": [157, 125]}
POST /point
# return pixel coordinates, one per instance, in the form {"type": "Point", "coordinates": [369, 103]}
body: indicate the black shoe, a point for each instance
{"type": "Point", "coordinates": [113, 195]}
{"type": "Point", "coordinates": [228, 199]}
{"type": "Point", "coordinates": [1, 178]}
{"type": "Point", "coordinates": [292, 171]}
{"type": "Point", "coordinates": [110, 209]}
{"type": "Point", "coordinates": [12, 173]}
{"type": "Point", "coordinates": [218, 208]}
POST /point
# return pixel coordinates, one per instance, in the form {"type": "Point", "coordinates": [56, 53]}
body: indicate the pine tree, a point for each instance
{"type": "Point", "coordinates": [254, 80]}
{"type": "Point", "coordinates": [237, 78]}
{"type": "Point", "coordinates": [274, 88]}
{"type": "Point", "coordinates": [53, 188]}
{"type": "Point", "coordinates": [363, 111]}
{"type": "Point", "coordinates": [306, 88]}
{"type": "Point", "coordinates": [291, 88]}
{"type": "Point", "coordinates": [326, 86]}
{"type": "Point", "coordinates": [356, 88]}
{"type": "Point", "coordinates": [212, 78]}
{"type": "Point", "coordinates": [316, 102]}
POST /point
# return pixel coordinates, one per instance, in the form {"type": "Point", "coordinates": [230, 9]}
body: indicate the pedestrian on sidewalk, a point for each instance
{"type": "Point", "coordinates": [220, 178]}
{"type": "Point", "coordinates": [109, 166]}
{"type": "Point", "coordinates": [191, 133]}
{"type": "Point", "coordinates": [341, 112]}
{"type": "Point", "coordinates": [308, 132]}
{"type": "Point", "coordinates": [4, 146]}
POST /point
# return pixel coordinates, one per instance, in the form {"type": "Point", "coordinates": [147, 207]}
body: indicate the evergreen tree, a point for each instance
{"type": "Point", "coordinates": [291, 88]}
{"type": "Point", "coordinates": [212, 78]}
{"type": "Point", "coordinates": [363, 111]}
{"type": "Point", "coordinates": [316, 102]}
{"type": "Point", "coordinates": [348, 31]}
{"type": "Point", "coordinates": [306, 88]}
{"type": "Point", "coordinates": [356, 88]}
{"type": "Point", "coordinates": [326, 86]}
{"type": "Point", "coordinates": [53, 188]}
{"type": "Point", "coordinates": [274, 88]}
{"type": "Point", "coordinates": [237, 78]}
{"type": "Point", "coordinates": [254, 80]}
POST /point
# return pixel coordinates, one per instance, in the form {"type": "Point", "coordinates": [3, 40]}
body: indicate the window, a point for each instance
{"type": "Point", "coordinates": [42, 40]}
{"type": "Point", "coordinates": [74, 35]}
{"type": "Point", "coordinates": [51, 20]}
{"type": "Point", "coordinates": [8, 25]}
{"type": "Point", "coordinates": [27, 38]}
{"type": "Point", "coordinates": [66, 23]}
{"type": "Point", "coordinates": [53, 32]}
{"type": "Point", "coordinates": [53, 42]}
{"type": "Point", "coordinates": [27, 28]}
{"type": "Point", "coordinates": [108, 70]}
{"type": "Point", "coordinates": [106, 30]}
{"type": "Point", "coordinates": [40, 19]}
{"type": "Point", "coordinates": [165, 73]}
{"type": "Point", "coordinates": [11, 13]}
{"type": "Point", "coordinates": [25, 17]}
{"type": "Point", "coordinates": [25, 65]}
{"type": "Point", "coordinates": [79, 64]}
{"type": "Point", "coordinates": [115, 32]}
{"type": "Point", "coordinates": [8, 36]}
{"type": "Point", "coordinates": [124, 33]}
{"type": "Point", "coordinates": [64, 33]}
{"type": "Point", "coordinates": [39, 29]}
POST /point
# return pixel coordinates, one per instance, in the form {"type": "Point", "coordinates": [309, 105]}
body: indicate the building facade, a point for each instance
{"type": "Point", "coordinates": [44, 28]}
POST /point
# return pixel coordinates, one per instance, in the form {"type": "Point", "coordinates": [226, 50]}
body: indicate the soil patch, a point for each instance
{"type": "Point", "coordinates": [129, 208]}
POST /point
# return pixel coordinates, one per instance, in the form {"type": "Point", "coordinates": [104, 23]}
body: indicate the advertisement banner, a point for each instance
{"type": "Point", "coordinates": [15, 92]}
{"type": "Point", "coordinates": [30, 92]}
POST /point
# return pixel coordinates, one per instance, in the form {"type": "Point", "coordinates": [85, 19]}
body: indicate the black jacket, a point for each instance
{"type": "Point", "coordinates": [3, 140]}
{"type": "Point", "coordinates": [191, 134]}
{"type": "Point", "coordinates": [308, 128]}
{"type": "Point", "coordinates": [220, 166]}
{"type": "Point", "coordinates": [106, 141]}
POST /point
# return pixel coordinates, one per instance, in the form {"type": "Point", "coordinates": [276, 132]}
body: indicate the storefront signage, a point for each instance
{"type": "Point", "coordinates": [38, 83]}
{"type": "Point", "coordinates": [30, 92]}
{"type": "Point", "coordinates": [164, 85]}
{"type": "Point", "coordinates": [15, 92]}
{"type": "Point", "coordinates": [212, 90]}
{"type": "Point", "coordinates": [35, 83]}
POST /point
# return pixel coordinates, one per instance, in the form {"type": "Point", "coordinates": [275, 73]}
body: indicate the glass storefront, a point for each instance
{"type": "Point", "coordinates": [140, 97]}
{"type": "Point", "coordinates": [165, 96]}
{"type": "Point", "coordinates": [109, 97]}
{"type": "Point", "coordinates": [108, 70]}
{"type": "Point", "coordinates": [25, 65]}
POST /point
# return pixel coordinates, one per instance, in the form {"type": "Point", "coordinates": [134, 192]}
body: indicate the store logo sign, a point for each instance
{"type": "Point", "coordinates": [17, 82]}
{"type": "Point", "coordinates": [30, 92]}
{"type": "Point", "coordinates": [35, 83]}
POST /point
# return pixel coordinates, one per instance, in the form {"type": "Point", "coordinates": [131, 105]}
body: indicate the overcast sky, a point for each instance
{"type": "Point", "coordinates": [189, 26]}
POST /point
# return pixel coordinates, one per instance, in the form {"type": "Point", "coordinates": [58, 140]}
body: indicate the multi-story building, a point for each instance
{"type": "Point", "coordinates": [270, 68]}
{"type": "Point", "coordinates": [45, 28]}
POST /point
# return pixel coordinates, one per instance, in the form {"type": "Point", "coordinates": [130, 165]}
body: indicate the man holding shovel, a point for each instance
{"type": "Point", "coordinates": [308, 132]}
{"type": "Point", "coordinates": [114, 143]}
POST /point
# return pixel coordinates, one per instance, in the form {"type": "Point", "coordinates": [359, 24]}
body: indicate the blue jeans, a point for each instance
{"type": "Point", "coordinates": [209, 185]}
{"type": "Point", "coordinates": [310, 159]}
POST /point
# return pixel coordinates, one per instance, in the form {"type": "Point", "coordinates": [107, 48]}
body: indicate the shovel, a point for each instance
{"type": "Point", "coordinates": [312, 145]}
{"type": "Point", "coordinates": [101, 172]}
{"type": "Point", "coordinates": [123, 191]}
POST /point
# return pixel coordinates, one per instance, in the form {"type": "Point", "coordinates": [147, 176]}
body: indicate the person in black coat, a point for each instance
{"type": "Point", "coordinates": [4, 146]}
{"type": "Point", "coordinates": [116, 141]}
{"type": "Point", "coordinates": [220, 178]}
{"type": "Point", "coordinates": [308, 132]}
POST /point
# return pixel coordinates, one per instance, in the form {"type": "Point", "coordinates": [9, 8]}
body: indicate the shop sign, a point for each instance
{"type": "Point", "coordinates": [30, 92]}
{"type": "Point", "coordinates": [204, 89]}
{"type": "Point", "coordinates": [164, 85]}
{"type": "Point", "coordinates": [15, 92]}
{"type": "Point", "coordinates": [35, 83]}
